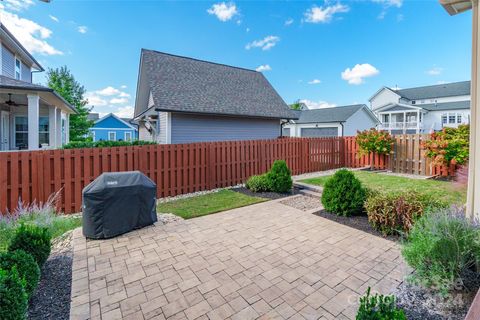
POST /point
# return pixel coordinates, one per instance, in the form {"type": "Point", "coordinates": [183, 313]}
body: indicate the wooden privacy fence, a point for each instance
{"type": "Point", "coordinates": [176, 169]}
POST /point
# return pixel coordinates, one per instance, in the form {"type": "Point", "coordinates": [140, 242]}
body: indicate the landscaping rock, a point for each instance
{"type": "Point", "coordinates": [303, 202]}
{"type": "Point", "coordinates": [165, 218]}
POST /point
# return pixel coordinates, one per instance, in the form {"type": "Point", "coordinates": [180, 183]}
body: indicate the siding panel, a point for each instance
{"type": "Point", "coordinates": [188, 128]}
{"type": "Point", "coordinates": [26, 73]}
{"type": "Point", "coordinates": [8, 62]}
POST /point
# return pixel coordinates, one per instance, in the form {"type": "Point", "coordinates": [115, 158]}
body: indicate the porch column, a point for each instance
{"type": "Point", "coordinates": [58, 125]}
{"type": "Point", "coordinates": [33, 118]}
{"type": "Point", "coordinates": [52, 127]}
{"type": "Point", "coordinates": [418, 121]}
{"type": "Point", "coordinates": [67, 128]}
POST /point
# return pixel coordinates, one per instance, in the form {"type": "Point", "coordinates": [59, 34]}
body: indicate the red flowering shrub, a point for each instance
{"type": "Point", "coordinates": [373, 140]}
{"type": "Point", "coordinates": [448, 146]}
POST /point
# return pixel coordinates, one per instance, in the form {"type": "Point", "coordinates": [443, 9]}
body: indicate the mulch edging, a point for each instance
{"type": "Point", "coordinates": [266, 195]}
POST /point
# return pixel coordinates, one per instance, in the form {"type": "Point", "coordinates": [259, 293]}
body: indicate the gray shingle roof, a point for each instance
{"type": "Point", "coordinates": [436, 91]}
{"type": "Point", "coordinates": [337, 114]}
{"type": "Point", "coordinates": [184, 84]}
{"type": "Point", "coordinates": [446, 106]}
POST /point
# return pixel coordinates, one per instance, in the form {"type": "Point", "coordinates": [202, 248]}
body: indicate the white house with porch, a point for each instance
{"type": "Point", "coordinates": [31, 116]}
{"type": "Point", "coordinates": [422, 109]}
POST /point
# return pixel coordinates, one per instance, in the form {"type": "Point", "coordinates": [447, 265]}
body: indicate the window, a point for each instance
{"type": "Point", "coordinates": [18, 68]}
{"type": "Point", "coordinates": [444, 118]}
{"type": "Point", "coordinates": [386, 118]}
{"type": "Point", "coordinates": [414, 102]}
{"type": "Point", "coordinates": [128, 136]}
{"type": "Point", "coordinates": [459, 118]}
{"type": "Point", "coordinates": [451, 118]}
{"type": "Point", "coordinates": [112, 135]}
{"type": "Point", "coordinates": [21, 132]}
{"type": "Point", "coordinates": [43, 131]}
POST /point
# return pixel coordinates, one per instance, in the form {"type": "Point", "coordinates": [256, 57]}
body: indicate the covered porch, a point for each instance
{"type": "Point", "coordinates": [401, 119]}
{"type": "Point", "coordinates": [33, 119]}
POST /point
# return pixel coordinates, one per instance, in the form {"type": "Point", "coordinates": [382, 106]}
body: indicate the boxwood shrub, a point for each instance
{"type": "Point", "coordinates": [343, 194]}
{"type": "Point", "coordinates": [258, 183]}
{"type": "Point", "coordinates": [34, 240]}
{"type": "Point", "coordinates": [26, 266]}
{"type": "Point", "coordinates": [13, 299]}
{"type": "Point", "coordinates": [279, 177]}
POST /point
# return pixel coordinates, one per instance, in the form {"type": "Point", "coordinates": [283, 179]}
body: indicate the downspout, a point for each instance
{"type": "Point", "coordinates": [282, 123]}
{"type": "Point", "coordinates": [343, 128]}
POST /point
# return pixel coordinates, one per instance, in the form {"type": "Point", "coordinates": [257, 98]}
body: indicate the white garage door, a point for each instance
{"type": "Point", "coordinates": [319, 132]}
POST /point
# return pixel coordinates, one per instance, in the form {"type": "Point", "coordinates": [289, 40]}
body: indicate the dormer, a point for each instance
{"type": "Point", "coordinates": [15, 61]}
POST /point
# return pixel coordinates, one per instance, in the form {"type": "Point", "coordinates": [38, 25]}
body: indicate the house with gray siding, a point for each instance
{"type": "Point", "coordinates": [31, 116]}
{"type": "Point", "coordinates": [330, 122]}
{"type": "Point", "coordinates": [186, 100]}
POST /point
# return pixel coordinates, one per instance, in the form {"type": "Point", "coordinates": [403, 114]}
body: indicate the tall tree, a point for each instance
{"type": "Point", "coordinates": [63, 82]}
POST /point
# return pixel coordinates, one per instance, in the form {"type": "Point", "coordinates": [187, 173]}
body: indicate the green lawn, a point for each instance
{"type": "Point", "coordinates": [441, 189]}
{"type": "Point", "coordinates": [206, 204]}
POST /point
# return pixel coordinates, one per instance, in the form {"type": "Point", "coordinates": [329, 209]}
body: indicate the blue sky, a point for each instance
{"type": "Point", "coordinates": [328, 53]}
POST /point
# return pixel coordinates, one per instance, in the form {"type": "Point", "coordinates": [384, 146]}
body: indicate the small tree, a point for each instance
{"type": "Point", "coordinates": [63, 82]}
{"type": "Point", "coordinates": [448, 146]}
{"type": "Point", "coordinates": [373, 140]}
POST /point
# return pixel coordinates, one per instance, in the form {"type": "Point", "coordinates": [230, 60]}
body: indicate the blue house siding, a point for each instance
{"type": "Point", "coordinates": [187, 128]}
{"type": "Point", "coordinates": [111, 128]}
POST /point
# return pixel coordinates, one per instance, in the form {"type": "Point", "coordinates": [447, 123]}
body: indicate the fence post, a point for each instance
{"type": "Point", "coordinates": [211, 170]}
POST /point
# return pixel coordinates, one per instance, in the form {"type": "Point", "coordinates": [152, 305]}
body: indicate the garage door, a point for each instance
{"type": "Point", "coordinates": [319, 132]}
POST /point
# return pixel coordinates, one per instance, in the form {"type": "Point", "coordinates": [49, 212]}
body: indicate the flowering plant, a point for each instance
{"type": "Point", "coordinates": [449, 146]}
{"type": "Point", "coordinates": [373, 140]}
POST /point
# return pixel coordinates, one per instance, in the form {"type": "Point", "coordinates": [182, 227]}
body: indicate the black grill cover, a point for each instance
{"type": "Point", "coordinates": [118, 202]}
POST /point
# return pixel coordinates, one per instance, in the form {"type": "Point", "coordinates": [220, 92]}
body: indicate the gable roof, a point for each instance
{"type": "Point", "coordinates": [454, 105]}
{"type": "Point", "coordinates": [115, 117]}
{"type": "Point", "coordinates": [380, 90]}
{"type": "Point", "coordinates": [181, 84]}
{"type": "Point", "coordinates": [335, 114]}
{"type": "Point", "coordinates": [436, 91]}
{"type": "Point", "coordinates": [8, 37]}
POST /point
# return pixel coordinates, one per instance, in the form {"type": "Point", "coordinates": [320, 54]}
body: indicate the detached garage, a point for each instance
{"type": "Point", "coordinates": [330, 122]}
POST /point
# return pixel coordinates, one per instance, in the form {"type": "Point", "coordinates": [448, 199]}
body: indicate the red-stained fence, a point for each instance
{"type": "Point", "coordinates": [176, 169]}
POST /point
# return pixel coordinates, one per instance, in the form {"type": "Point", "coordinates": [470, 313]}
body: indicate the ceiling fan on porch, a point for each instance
{"type": "Point", "coordinates": [10, 102]}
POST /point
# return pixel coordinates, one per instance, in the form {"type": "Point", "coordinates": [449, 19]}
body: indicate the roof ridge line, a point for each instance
{"type": "Point", "coordinates": [200, 60]}
{"type": "Point", "coordinates": [429, 86]}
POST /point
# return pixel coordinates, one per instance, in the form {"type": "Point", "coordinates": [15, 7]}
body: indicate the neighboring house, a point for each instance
{"type": "Point", "coordinates": [184, 100]}
{"type": "Point", "coordinates": [31, 116]}
{"type": "Point", "coordinates": [331, 122]}
{"type": "Point", "coordinates": [112, 128]}
{"type": "Point", "coordinates": [422, 109]}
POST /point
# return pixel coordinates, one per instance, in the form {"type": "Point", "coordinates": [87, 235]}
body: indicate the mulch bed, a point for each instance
{"type": "Point", "coordinates": [51, 300]}
{"type": "Point", "coordinates": [359, 222]}
{"type": "Point", "coordinates": [266, 195]}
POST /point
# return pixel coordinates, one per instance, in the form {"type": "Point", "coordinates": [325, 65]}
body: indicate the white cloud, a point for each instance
{"type": "Point", "coordinates": [389, 3]}
{"type": "Point", "coordinates": [123, 86]}
{"type": "Point", "coordinates": [118, 100]}
{"type": "Point", "coordinates": [324, 14]}
{"type": "Point", "coordinates": [247, 29]}
{"type": "Point", "coordinates": [124, 95]}
{"type": "Point", "coordinates": [82, 29]}
{"type": "Point", "coordinates": [289, 21]}
{"type": "Point", "coordinates": [435, 71]}
{"type": "Point", "coordinates": [125, 112]}
{"type": "Point", "coordinates": [317, 104]}
{"type": "Point", "coordinates": [314, 81]}
{"type": "Point", "coordinates": [263, 67]}
{"type": "Point", "coordinates": [95, 100]}
{"type": "Point", "coordinates": [18, 5]}
{"type": "Point", "coordinates": [53, 18]}
{"type": "Point", "coordinates": [223, 11]}
{"type": "Point", "coordinates": [108, 91]}
{"type": "Point", "coordinates": [30, 34]}
{"type": "Point", "coordinates": [266, 43]}
{"type": "Point", "coordinates": [357, 74]}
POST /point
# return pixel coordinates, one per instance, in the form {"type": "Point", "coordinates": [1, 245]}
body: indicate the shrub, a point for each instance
{"type": "Point", "coordinates": [372, 140]}
{"type": "Point", "coordinates": [13, 299]}
{"type": "Point", "coordinates": [343, 194]}
{"type": "Point", "coordinates": [396, 212]}
{"type": "Point", "coordinates": [279, 177]}
{"type": "Point", "coordinates": [105, 144]}
{"type": "Point", "coordinates": [449, 145]}
{"type": "Point", "coordinates": [440, 247]}
{"type": "Point", "coordinates": [258, 183]}
{"type": "Point", "coordinates": [379, 307]}
{"type": "Point", "coordinates": [33, 240]}
{"type": "Point", "coordinates": [26, 266]}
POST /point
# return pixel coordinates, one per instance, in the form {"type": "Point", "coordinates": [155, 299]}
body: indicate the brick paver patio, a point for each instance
{"type": "Point", "coordinates": [266, 261]}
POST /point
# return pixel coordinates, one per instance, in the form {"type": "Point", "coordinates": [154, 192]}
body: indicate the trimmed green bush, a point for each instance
{"type": "Point", "coordinates": [33, 240]}
{"type": "Point", "coordinates": [13, 299]}
{"type": "Point", "coordinates": [279, 177]}
{"type": "Point", "coordinates": [258, 183]}
{"type": "Point", "coordinates": [343, 194]}
{"type": "Point", "coordinates": [396, 212]}
{"type": "Point", "coordinates": [379, 307]}
{"type": "Point", "coordinates": [105, 144]}
{"type": "Point", "coordinates": [26, 266]}
{"type": "Point", "coordinates": [440, 247]}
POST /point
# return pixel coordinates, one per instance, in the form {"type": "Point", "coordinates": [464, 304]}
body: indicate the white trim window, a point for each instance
{"type": "Point", "coordinates": [20, 128]}
{"type": "Point", "coordinates": [112, 136]}
{"type": "Point", "coordinates": [43, 131]}
{"type": "Point", "coordinates": [18, 69]}
{"type": "Point", "coordinates": [128, 135]}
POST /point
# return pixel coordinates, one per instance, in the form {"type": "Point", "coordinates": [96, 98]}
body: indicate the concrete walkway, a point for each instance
{"type": "Point", "coordinates": [266, 261]}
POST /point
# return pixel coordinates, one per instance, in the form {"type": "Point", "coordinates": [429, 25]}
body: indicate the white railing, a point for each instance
{"type": "Point", "coordinates": [399, 125]}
